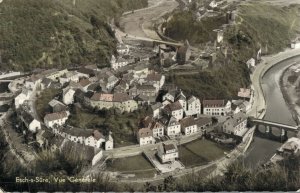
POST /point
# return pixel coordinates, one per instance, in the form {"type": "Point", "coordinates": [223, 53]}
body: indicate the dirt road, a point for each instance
{"type": "Point", "coordinates": [140, 23]}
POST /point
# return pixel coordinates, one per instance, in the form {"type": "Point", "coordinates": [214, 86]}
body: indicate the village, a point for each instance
{"type": "Point", "coordinates": [129, 85]}
{"type": "Point", "coordinates": [132, 107]}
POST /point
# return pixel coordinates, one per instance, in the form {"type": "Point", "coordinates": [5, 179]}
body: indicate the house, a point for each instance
{"type": "Point", "coordinates": [109, 142]}
{"type": "Point", "coordinates": [118, 63]}
{"type": "Point", "coordinates": [123, 102]}
{"type": "Point", "coordinates": [107, 80]}
{"type": "Point", "coordinates": [54, 74]}
{"type": "Point", "coordinates": [122, 49]}
{"type": "Point", "coordinates": [118, 100]}
{"type": "Point", "coordinates": [189, 126]}
{"type": "Point", "coordinates": [181, 98]}
{"type": "Point", "coordinates": [54, 119]}
{"type": "Point", "coordinates": [172, 126]}
{"type": "Point", "coordinates": [251, 63]}
{"type": "Point", "coordinates": [84, 83]}
{"type": "Point", "coordinates": [295, 44]}
{"type": "Point", "coordinates": [72, 76]}
{"type": "Point", "coordinates": [183, 53]}
{"type": "Point", "coordinates": [156, 109]}
{"type": "Point", "coordinates": [146, 92]}
{"type": "Point", "coordinates": [22, 97]}
{"type": "Point", "coordinates": [203, 123]}
{"type": "Point", "coordinates": [141, 70]}
{"type": "Point", "coordinates": [193, 106]}
{"type": "Point", "coordinates": [240, 106]}
{"type": "Point", "coordinates": [95, 140]}
{"type": "Point", "coordinates": [122, 87]}
{"type": "Point", "coordinates": [236, 125]}
{"type": "Point", "coordinates": [102, 101]}
{"type": "Point", "coordinates": [145, 136]}
{"type": "Point", "coordinates": [45, 83]}
{"type": "Point", "coordinates": [245, 93]}
{"type": "Point", "coordinates": [88, 71]}
{"type": "Point", "coordinates": [57, 106]}
{"type": "Point", "coordinates": [68, 95]}
{"type": "Point", "coordinates": [174, 109]}
{"type": "Point", "coordinates": [216, 107]}
{"type": "Point", "coordinates": [33, 82]}
{"type": "Point", "coordinates": [167, 152]}
{"type": "Point", "coordinates": [169, 96]}
{"type": "Point", "coordinates": [155, 79]}
{"type": "Point", "coordinates": [30, 122]}
{"type": "Point", "coordinates": [155, 125]}
{"type": "Point", "coordinates": [290, 147]}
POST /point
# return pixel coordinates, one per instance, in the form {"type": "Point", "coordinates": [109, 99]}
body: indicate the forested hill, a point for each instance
{"type": "Point", "coordinates": [48, 33]}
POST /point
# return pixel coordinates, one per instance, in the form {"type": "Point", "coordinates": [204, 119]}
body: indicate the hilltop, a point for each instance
{"type": "Point", "coordinates": [47, 33]}
{"type": "Point", "coordinates": [258, 25]}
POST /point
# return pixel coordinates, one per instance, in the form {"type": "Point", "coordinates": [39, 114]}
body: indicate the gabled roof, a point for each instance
{"type": "Point", "coordinates": [187, 122]}
{"type": "Point", "coordinates": [145, 132]}
{"type": "Point", "coordinates": [55, 102]}
{"type": "Point", "coordinates": [121, 97]}
{"type": "Point", "coordinates": [56, 116]}
{"type": "Point", "coordinates": [173, 106]}
{"type": "Point", "coordinates": [84, 82]}
{"type": "Point", "coordinates": [156, 106]}
{"type": "Point", "coordinates": [203, 121]}
{"type": "Point", "coordinates": [154, 77]}
{"type": "Point", "coordinates": [98, 135]}
{"type": "Point", "coordinates": [102, 97]}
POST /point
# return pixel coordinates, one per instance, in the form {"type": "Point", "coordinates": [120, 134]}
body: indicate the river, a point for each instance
{"type": "Point", "coordinates": [262, 149]}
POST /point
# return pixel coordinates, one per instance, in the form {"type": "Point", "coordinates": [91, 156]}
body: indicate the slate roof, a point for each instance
{"type": "Point", "coordinates": [213, 103]}
{"type": "Point", "coordinates": [56, 116]}
{"type": "Point", "coordinates": [145, 132]}
{"type": "Point", "coordinates": [173, 106]}
{"type": "Point", "coordinates": [187, 122]}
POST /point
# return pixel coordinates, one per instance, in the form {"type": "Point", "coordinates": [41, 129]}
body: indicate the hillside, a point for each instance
{"type": "Point", "coordinates": [258, 25]}
{"type": "Point", "coordinates": [47, 33]}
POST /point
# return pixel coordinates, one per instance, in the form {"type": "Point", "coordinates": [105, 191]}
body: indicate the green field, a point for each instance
{"type": "Point", "coordinates": [137, 165]}
{"type": "Point", "coordinates": [200, 152]}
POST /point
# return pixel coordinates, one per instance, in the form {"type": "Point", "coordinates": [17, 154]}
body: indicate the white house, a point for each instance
{"type": "Point", "coordinates": [22, 97]}
{"type": "Point", "coordinates": [95, 140]}
{"type": "Point", "coordinates": [181, 98]}
{"type": "Point", "coordinates": [118, 63]}
{"type": "Point", "coordinates": [167, 152]}
{"type": "Point", "coordinates": [236, 125]}
{"type": "Point", "coordinates": [295, 44]}
{"type": "Point", "coordinates": [155, 79]}
{"type": "Point", "coordinates": [33, 82]}
{"type": "Point", "coordinates": [145, 136]}
{"type": "Point", "coordinates": [193, 106]}
{"type": "Point", "coordinates": [250, 63]}
{"type": "Point", "coordinates": [68, 95]}
{"type": "Point", "coordinates": [58, 119]}
{"type": "Point", "coordinates": [216, 107]}
{"type": "Point", "coordinates": [175, 110]}
{"type": "Point", "coordinates": [30, 122]}
{"type": "Point", "coordinates": [109, 142]}
{"type": "Point", "coordinates": [189, 126]}
{"type": "Point", "coordinates": [156, 109]}
{"type": "Point", "coordinates": [172, 127]}
{"type": "Point", "coordinates": [122, 49]}
{"type": "Point", "coordinates": [72, 76]}
{"type": "Point", "coordinates": [169, 96]}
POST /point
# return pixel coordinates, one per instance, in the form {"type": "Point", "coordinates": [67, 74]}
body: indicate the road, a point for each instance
{"type": "Point", "coordinates": [140, 23]}
{"type": "Point", "coordinates": [267, 63]}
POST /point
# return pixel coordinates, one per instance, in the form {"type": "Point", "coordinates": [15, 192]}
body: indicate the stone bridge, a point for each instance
{"type": "Point", "coordinates": [271, 124]}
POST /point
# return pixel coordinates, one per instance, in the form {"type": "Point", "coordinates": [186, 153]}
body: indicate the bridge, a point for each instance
{"type": "Point", "coordinates": [271, 124]}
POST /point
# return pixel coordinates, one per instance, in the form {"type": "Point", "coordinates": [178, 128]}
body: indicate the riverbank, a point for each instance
{"type": "Point", "coordinates": [289, 85]}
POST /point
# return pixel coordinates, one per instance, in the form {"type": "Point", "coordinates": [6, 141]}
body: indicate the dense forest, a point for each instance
{"type": "Point", "coordinates": [60, 33]}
